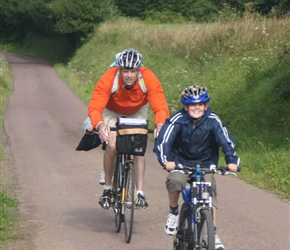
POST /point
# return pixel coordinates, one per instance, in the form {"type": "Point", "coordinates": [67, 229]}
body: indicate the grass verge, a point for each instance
{"type": "Point", "coordinates": [7, 204]}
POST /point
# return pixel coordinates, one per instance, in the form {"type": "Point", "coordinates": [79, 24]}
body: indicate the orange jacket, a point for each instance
{"type": "Point", "coordinates": [127, 101]}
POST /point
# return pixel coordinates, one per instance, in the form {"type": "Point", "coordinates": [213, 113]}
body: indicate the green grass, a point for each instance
{"type": "Point", "coordinates": [7, 217]}
{"type": "Point", "coordinates": [7, 204]}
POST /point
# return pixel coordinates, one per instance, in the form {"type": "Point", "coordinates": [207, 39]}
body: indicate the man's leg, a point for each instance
{"type": "Point", "coordinates": [139, 172]}
{"type": "Point", "coordinates": [102, 172]}
{"type": "Point", "coordinates": [139, 177]}
{"type": "Point", "coordinates": [110, 158]}
{"type": "Point", "coordinates": [109, 167]}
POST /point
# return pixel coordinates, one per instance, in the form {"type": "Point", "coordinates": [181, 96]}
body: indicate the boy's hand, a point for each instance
{"type": "Point", "coordinates": [233, 167]}
{"type": "Point", "coordinates": [170, 165]}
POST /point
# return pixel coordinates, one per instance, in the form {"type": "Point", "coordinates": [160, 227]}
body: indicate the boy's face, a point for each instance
{"type": "Point", "coordinates": [196, 110]}
{"type": "Point", "coordinates": [129, 77]}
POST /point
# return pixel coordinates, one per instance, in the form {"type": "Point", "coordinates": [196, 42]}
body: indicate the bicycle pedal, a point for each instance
{"type": "Point", "coordinates": [105, 202]}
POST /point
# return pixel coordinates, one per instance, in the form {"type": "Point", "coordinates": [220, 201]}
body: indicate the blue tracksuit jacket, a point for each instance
{"type": "Point", "coordinates": [180, 142]}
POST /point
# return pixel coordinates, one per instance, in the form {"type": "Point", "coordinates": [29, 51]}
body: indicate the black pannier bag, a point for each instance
{"type": "Point", "coordinates": [89, 141]}
{"type": "Point", "coordinates": [131, 136]}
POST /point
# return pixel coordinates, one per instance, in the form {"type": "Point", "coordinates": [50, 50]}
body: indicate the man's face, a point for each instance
{"type": "Point", "coordinates": [129, 77]}
{"type": "Point", "coordinates": [196, 110]}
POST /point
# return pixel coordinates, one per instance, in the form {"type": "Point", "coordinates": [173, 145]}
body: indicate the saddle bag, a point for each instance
{"type": "Point", "coordinates": [131, 136]}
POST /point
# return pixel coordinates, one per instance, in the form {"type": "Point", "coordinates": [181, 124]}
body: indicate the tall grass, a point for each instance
{"type": "Point", "coordinates": [244, 62]}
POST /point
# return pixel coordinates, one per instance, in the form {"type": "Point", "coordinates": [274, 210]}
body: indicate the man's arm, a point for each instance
{"type": "Point", "coordinates": [100, 97]}
{"type": "Point", "coordinates": [155, 97]}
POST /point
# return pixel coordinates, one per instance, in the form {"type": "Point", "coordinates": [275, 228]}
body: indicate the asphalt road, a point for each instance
{"type": "Point", "coordinates": [58, 186]}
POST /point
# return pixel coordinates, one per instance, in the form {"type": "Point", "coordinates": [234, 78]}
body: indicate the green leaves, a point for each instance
{"type": "Point", "coordinates": [54, 17]}
{"type": "Point", "coordinates": [74, 16]}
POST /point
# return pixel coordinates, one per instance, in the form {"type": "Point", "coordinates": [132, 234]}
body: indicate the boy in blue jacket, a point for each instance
{"type": "Point", "coordinates": [193, 134]}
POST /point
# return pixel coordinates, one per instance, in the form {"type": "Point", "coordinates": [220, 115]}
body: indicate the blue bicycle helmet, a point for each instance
{"type": "Point", "coordinates": [130, 59]}
{"type": "Point", "coordinates": [194, 94]}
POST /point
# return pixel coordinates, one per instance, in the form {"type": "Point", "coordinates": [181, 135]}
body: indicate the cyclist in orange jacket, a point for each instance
{"type": "Point", "coordinates": [125, 90]}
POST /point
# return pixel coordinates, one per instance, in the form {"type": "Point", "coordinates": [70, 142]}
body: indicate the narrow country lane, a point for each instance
{"type": "Point", "coordinates": [58, 187]}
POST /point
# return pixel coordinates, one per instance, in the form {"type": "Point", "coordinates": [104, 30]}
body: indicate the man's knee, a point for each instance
{"type": "Point", "coordinates": [111, 148]}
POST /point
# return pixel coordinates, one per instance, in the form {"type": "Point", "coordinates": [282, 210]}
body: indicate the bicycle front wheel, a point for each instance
{"type": "Point", "coordinates": [119, 216]}
{"type": "Point", "coordinates": [206, 231]}
{"type": "Point", "coordinates": [184, 236]}
{"type": "Point", "coordinates": [129, 202]}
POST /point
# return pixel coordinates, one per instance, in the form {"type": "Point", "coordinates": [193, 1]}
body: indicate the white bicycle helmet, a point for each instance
{"type": "Point", "coordinates": [130, 59]}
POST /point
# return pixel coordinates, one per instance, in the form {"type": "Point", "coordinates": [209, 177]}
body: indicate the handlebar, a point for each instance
{"type": "Point", "coordinates": [225, 171]}
{"type": "Point", "coordinates": [212, 169]}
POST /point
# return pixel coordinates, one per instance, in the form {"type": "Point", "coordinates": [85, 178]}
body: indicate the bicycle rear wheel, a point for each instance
{"type": "Point", "coordinates": [184, 236]}
{"type": "Point", "coordinates": [119, 217]}
{"type": "Point", "coordinates": [206, 231]}
{"type": "Point", "coordinates": [129, 201]}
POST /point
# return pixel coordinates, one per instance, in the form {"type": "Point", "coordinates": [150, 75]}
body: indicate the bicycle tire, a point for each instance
{"type": "Point", "coordinates": [184, 236]}
{"type": "Point", "coordinates": [129, 197]}
{"type": "Point", "coordinates": [119, 217]}
{"type": "Point", "coordinates": [205, 231]}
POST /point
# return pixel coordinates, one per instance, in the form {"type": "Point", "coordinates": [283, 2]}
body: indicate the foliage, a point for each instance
{"type": "Point", "coordinates": [74, 16]}
{"type": "Point", "coordinates": [272, 7]}
{"type": "Point", "coordinates": [18, 17]}
{"type": "Point", "coordinates": [152, 16]}
{"type": "Point", "coordinates": [199, 10]}
{"type": "Point", "coordinates": [75, 19]}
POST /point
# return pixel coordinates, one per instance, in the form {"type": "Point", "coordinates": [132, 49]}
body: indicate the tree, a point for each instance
{"type": "Point", "coordinates": [268, 7]}
{"type": "Point", "coordinates": [74, 16]}
{"type": "Point", "coordinates": [57, 17]}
